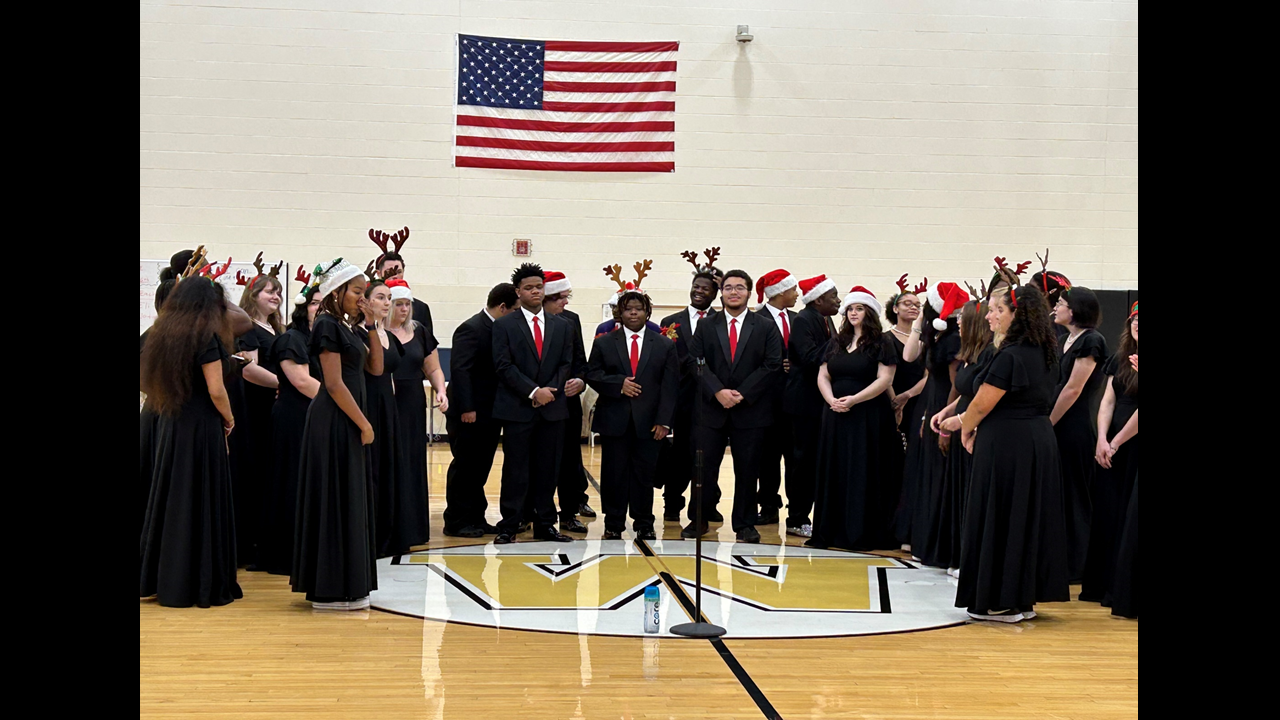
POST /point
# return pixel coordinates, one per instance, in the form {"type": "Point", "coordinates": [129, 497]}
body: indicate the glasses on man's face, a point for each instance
{"type": "Point", "coordinates": [734, 289]}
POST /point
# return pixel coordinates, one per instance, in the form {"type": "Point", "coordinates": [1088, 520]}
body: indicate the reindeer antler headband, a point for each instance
{"type": "Point", "coordinates": [712, 254]}
{"type": "Point", "coordinates": [381, 239]}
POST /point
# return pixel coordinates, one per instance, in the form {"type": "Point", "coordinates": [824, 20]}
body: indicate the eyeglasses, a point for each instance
{"type": "Point", "coordinates": [733, 289]}
{"type": "Point", "coordinates": [909, 305]}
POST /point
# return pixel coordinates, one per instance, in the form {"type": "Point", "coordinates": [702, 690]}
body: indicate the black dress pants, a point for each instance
{"type": "Point", "coordinates": [778, 448]}
{"type": "Point", "coordinates": [531, 463]}
{"type": "Point", "coordinates": [571, 482]}
{"type": "Point", "coordinates": [747, 451]}
{"type": "Point", "coordinates": [803, 483]}
{"type": "Point", "coordinates": [626, 479]}
{"type": "Point", "coordinates": [473, 446]}
{"type": "Point", "coordinates": [675, 463]}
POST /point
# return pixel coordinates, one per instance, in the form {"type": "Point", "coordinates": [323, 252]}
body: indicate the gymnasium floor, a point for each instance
{"type": "Point", "coordinates": [270, 656]}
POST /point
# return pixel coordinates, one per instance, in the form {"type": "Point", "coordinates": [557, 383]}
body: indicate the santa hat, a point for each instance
{"type": "Point", "coordinates": [862, 296]}
{"type": "Point", "coordinates": [555, 283]}
{"type": "Point", "coordinates": [399, 289]}
{"type": "Point", "coordinates": [815, 287]}
{"type": "Point", "coordinates": [1133, 310]}
{"type": "Point", "coordinates": [945, 298]}
{"type": "Point", "coordinates": [338, 273]}
{"type": "Point", "coordinates": [629, 287]}
{"type": "Point", "coordinates": [773, 284]}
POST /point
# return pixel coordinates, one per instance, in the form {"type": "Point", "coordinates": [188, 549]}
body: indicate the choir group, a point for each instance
{"type": "Point", "coordinates": [986, 431]}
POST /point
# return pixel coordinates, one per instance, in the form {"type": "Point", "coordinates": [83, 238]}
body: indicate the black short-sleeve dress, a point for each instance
{"type": "Point", "coordinates": [387, 460]}
{"type": "Point", "coordinates": [1112, 488]}
{"type": "Point", "coordinates": [251, 483]}
{"type": "Point", "coordinates": [1077, 433]}
{"type": "Point", "coordinates": [959, 463]}
{"type": "Point", "coordinates": [905, 377]}
{"type": "Point", "coordinates": [411, 406]}
{"type": "Point", "coordinates": [854, 498]}
{"type": "Point", "coordinates": [288, 417]}
{"type": "Point", "coordinates": [188, 544]}
{"type": "Point", "coordinates": [333, 553]}
{"type": "Point", "coordinates": [929, 464]}
{"type": "Point", "coordinates": [1013, 550]}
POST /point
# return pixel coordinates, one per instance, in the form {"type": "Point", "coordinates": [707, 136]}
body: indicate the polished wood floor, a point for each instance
{"type": "Point", "coordinates": [269, 656]}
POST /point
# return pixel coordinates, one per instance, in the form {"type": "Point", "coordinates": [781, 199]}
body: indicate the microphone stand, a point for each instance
{"type": "Point", "coordinates": [697, 628]}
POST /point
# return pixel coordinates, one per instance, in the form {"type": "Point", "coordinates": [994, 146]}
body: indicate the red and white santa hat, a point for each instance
{"type": "Point", "coordinates": [815, 287]}
{"type": "Point", "coordinates": [945, 298]}
{"type": "Point", "coordinates": [863, 296]}
{"type": "Point", "coordinates": [399, 289]}
{"type": "Point", "coordinates": [774, 283]}
{"type": "Point", "coordinates": [555, 283]}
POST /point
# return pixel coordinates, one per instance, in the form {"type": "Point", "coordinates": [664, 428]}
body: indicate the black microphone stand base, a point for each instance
{"type": "Point", "coordinates": [698, 630]}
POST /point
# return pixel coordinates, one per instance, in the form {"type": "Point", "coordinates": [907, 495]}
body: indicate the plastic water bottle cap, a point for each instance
{"type": "Point", "coordinates": [651, 593]}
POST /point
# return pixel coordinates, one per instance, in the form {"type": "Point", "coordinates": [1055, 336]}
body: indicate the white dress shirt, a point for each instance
{"type": "Point", "coordinates": [693, 318]}
{"type": "Point", "coordinates": [777, 317]}
{"type": "Point", "coordinates": [542, 329]}
{"type": "Point", "coordinates": [639, 337]}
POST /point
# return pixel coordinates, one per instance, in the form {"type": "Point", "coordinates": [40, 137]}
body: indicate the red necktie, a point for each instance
{"type": "Point", "coordinates": [733, 338]}
{"type": "Point", "coordinates": [537, 336]}
{"type": "Point", "coordinates": [635, 354]}
{"type": "Point", "coordinates": [701, 314]}
{"type": "Point", "coordinates": [786, 330]}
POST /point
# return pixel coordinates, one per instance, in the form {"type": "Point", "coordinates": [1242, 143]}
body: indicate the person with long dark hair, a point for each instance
{"type": "Point", "coordinates": [939, 343]}
{"type": "Point", "coordinates": [299, 376]}
{"type": "Point", "coordinates": [1082, 352]}
{"type": "Point", "coordinates": [187, 549]}
{"type": "Point", "coordinates": [909, 380]}
{"type": "Point", "coordinates": [853, 502]}
{"type": "Point", "coordinates": [976, 350]}
{"type": "Point", "coordinates": [147, 417]}
{"type": "Point", "coordinates": [1116, 454]}
{"type": "Point", "coordinates": [333, 549]}
{"type": "Point", "coordinates": [1013, 551]}
{"type": "Point", "coordinates": [421, 361]}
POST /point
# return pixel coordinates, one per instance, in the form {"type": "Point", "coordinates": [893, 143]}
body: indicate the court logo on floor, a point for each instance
{"type": "Point", "coordinates": [597, 587]}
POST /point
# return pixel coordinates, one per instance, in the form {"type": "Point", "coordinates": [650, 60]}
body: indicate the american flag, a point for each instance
{"type": "Point", "coordinates": [558, 105]}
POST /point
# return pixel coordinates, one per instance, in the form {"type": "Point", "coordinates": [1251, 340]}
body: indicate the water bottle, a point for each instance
{"type": "Point", "coordinates": [652, 605]}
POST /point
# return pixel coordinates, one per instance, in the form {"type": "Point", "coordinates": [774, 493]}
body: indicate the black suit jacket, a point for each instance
{"type": "Point", "coordinates": [520, 372]}
{"type": "Point", "coordinates": [688, 369]}
{"type": "Point", "coordinates": [473, 382]}
{"type": "Point", "coordinates": [579, 367]}
{"type": "Point", "coordinates": [811, 334]}
{"type": "Point", "coordinates": [754, 370]}
{"type": "Point", "coordinates": [657, 373]}
{"type": "Point", "coordinates": [781, 385]}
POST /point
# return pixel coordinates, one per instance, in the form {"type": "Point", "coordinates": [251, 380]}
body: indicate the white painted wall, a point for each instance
{"type": "Point", "coordinates": [861, 138]}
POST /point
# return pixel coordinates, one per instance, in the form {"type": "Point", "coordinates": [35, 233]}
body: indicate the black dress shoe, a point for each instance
{"type": "Point", "coordinates": [585, 510]}
{"type": "Point", "coordinates": [524, 525]}
{"type": "Point", "coordinates": [671, 515]}
{"type": "Point", "coordinates": [715, 516]}
{"type": "Point", "coordinates": [489, 529]}
{"type": "Point", "coordinates": [612, 535]}
{"type": "Point", "coordinates": [504, 538]}
{"type": "Point", "coordinates": [691, 531]}
{"type": "Point", "coordinates": [471, 531]}
{"type": "Point", "coordinates": [768, 516]}
{"type": "Point", "coordinates": [646, 535]}
{"type": "Point", "coordinates": [551, 535]}
{"type": "Point", "coordinates": [748, 534]}
{"type": "Point", "coordinates": [814, 542]}
{"type": "Point", "coordinates": [573, 525]}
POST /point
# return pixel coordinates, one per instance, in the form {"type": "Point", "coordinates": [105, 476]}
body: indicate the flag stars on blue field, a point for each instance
{"type": "Point", "coordinates": [500, 73]}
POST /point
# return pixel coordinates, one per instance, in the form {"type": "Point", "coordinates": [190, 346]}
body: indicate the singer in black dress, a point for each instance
{"type": "Point", "coordinates": [940, 352]}
{"type": "Point", "coordinates": [1013, 552]}
{"type": "Point", "coordinates": [387, 460]}
{"type": "Point", "coordinates": [1124, 582]}
{"type": "Point", "coordinates": [1075, 415]}
{"type": "Point", "coordinates": [853, 501]}
{"type": "Point", "coordinates": [959, 466]}
{"type": "Point", "coordinates": [413, 523]}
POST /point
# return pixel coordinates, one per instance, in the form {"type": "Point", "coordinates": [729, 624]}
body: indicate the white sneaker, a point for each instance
{"type": "Point", "coordinates": [1028, 614]}
{"type": "Point", "coordinates": [361, 604]}
{"type": "Point", "coordinates": [804, 531]}
{"type": "Point", "coordinates": [954, 572]}
{"type": "Point", "coordinates": [906, 547]}
{"type": "Point", "coordinates": [336, 605]}
{"type": "Point", "coordinates": [1004, 617]}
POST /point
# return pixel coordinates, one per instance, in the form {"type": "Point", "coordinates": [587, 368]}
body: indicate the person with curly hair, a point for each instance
{"type": "Point", "coordinates": [1013, 550]}
{"type": "Point", "coordinates": [188, 547]}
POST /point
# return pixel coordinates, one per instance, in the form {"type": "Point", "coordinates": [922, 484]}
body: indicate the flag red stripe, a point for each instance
{"type": "Point", "coordinates": [572, 46]}
{"type": "Point", "coordinates": [557, 126]}
{"type": "Point", "coordinates": [542, 145]}
{"type": "Point", "coordinates": [606, 107]}
{"type": "Point", "coordinates": [616, 67]}
{"type": "Point", "coordinates": [608, 87]}
{"type": "Point", "coordinates": [464, 161]}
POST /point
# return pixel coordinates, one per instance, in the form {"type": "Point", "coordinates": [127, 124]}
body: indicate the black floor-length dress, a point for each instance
{"type": "Point", "coordinates": [147, 420]}
{"type": "Point", "coordinates": [333, 552]}
{"type": "Point", "coordinates": [1112, 489]}
{"type": "Point", "coordinates": [288, 418]}
{"type": "Point", "coordinates": [1077, 432]}
{"type": "Point", "coordinates": [905, 377]}
{"type": "Point", "coordinates": [255, 470]}
{"type": "Point", "coordinates": [1124, 583]}
{"type": "Point", "coordinates": [929, 462]}
{"type": "Point", "coordinates": [1013, 552]}
{"type": "Point", "coordinates": [188, 544]}
{"type": "Point", "coordinates": [955, 478]}
{"type": "Point", "coordinates": [854, 499]}
{"type": "Point", "coordinates": [387, 461]}
{"type": "Point", "coordinates": [413, 519]}
{"type": "Point", "coordinates": [240, 444]}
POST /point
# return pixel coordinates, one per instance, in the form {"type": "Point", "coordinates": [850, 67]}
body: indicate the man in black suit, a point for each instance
{"type": "Point", "coordinates": [532, 357]}
{"type": "Point", "coordinates": [473, 433]}
{"type": "Point", "coordinates": [811, 333]}
{"type": "Point", "coordinates": [743, 356]}
{"type": "Point", "coordinates": [637, 374]}
{"type": "Point", "coordinates": [571, 485]}
{"type": "Point", "coordinates": [391, 265]}
{"type": "Point", "coordinates": [675, 460]}
{"type": "Point", "coordinates": [779, 286]}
